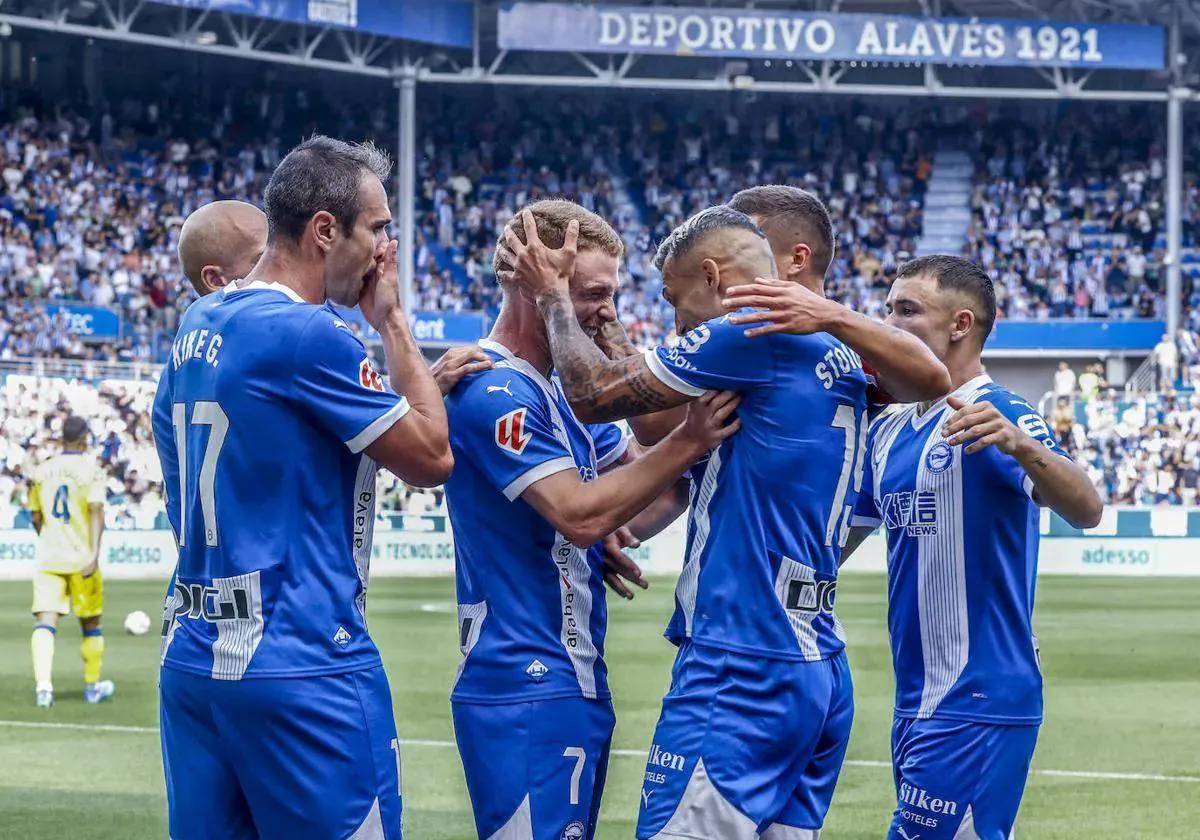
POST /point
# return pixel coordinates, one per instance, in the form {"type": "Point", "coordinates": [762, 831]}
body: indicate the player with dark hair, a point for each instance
{"type": "Point", "coordinates": [270, 422]}
{"type": "Point", "coordinates": [533, 494]}
{"type": "Point", "coordinates": [754, 621]}
{"type": "Point", "coordinates": [66, 505]}
{"type": "Point", "coordinates": [957, 484]}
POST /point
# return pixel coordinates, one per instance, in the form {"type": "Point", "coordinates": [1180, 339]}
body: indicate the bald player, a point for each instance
{"type": "Point", "coordinates": [220, 242]}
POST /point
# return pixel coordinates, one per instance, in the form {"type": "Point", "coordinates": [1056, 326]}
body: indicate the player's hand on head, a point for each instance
{"type": "Point", "coordinates": [456, 363]}
{"type": "Point", "coordinates": [380, 297]}
{"type": "Point", "coordinates": [619, 567]}
{"type": "Point", "coordinates": [538, 268]}
{"type": "Point", "coordinates": [981, 425]}
{"type": "Point", "coordinates": [710, 419]}
{"type": "Point", "coordinates": [780, 307]}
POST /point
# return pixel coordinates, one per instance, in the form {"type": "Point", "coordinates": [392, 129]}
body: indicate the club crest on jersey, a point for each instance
{"type": "Point", "coordinates": [939, 458]}
{"type": "Point", "coordinates": [368, 377]}
{"type": "Point", "coordinates": [575, 830]}
{"type": "Point", "coordinates": [511, 433]}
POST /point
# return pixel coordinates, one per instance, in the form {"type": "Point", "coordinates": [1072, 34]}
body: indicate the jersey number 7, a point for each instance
{"type": "Point", "coordinates": [204, 413]}
{"type": "Point", "coordinates": [852, 424]}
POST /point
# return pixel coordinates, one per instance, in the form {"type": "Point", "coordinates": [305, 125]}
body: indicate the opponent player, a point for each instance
{"type": "Point", "coordinates": [533, 492]}
{"type": "Point", "coordinates": [276, 716]}
{"type": "Point", "coordinates": [754, 727]}
{"type": "Point", "coordinates": [956, 479]}
{"type": "Point", "coordinates": [70, 488]}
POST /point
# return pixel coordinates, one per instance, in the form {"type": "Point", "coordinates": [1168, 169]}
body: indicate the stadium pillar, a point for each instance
{"type": "Point", "coordinates": [406, 187]}
{"type": "Point", "coordinates": [1174, 207]}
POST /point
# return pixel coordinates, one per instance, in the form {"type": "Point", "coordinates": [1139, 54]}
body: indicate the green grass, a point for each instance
{"type": "Point", "coordinates": [1123, 696]}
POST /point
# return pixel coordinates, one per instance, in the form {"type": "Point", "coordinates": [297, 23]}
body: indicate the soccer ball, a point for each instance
{"type": "Point", "coordinates": [137, 623]}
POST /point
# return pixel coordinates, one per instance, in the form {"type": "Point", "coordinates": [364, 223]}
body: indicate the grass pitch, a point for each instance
{"type": "Point", "coordinates": [1119, 755]}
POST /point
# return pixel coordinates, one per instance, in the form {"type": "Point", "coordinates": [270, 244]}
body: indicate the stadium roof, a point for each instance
{"type": "Point", "coordinates": [214, 31]}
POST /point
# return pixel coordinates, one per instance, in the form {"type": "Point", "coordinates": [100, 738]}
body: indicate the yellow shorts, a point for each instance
{"type": "Point", "coordinates": [66, 593]}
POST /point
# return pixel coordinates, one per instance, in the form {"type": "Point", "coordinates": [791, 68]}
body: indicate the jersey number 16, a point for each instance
{"type": "Point", "coordinates": [204, 413]}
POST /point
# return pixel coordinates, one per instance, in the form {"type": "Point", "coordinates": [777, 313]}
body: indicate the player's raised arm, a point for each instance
{"type": "Point", "coordinates": [1053, 479]}
{"type": "Point", "coordinates": [586, 512]}
{"type": "Point", "coordinates": [599, 389]}
{"type": "Point", "coordinates": [417, 446]}
{"type": "Point", "coordinates": [907, 369]}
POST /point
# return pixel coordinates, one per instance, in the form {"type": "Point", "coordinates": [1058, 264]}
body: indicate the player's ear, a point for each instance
{"type": "Point", "coordinates": [324, 229]}
{"type": "Point", "coordinates": [801, 258]}
{"type": "Point", "coordinates": [964, 322]}
{"type": "Point", "coordinates": [211, 279]}
{"type": "Point", "coordinates": [712, 273]}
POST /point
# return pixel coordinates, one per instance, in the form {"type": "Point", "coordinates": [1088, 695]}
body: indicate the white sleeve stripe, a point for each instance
{"type": "Point", "coordinates": [1027, 486]}
{"type": "Point", "coordinates": [859, 521]}
{"type": "Point", "coordinates": [543, 470]}
{"type": "Point", "coordinates": [376, 429]}
{"type": "Point", "coordinates": [614, 454]}
{"type": "Point", "coordinates": [668, 378]}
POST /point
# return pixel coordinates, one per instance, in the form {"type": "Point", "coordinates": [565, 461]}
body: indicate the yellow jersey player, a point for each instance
{"type": "Point", "coordinates": [66, 503]}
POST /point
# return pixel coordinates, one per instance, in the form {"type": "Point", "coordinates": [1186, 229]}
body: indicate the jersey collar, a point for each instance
{"type": "Point", "coordinates": [964, 392]}
{"type": "Point", "coordinates": [276, 287]}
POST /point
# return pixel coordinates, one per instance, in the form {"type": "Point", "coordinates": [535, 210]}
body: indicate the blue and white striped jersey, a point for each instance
{"type": "Point", "coordinates": [962, 534]}
{"type": "Point", "coordinates": [771, 508]}
{"type": "Point", "coordinates": [261, 419]}
{"type": "Point", "coordinates": [531, 607]}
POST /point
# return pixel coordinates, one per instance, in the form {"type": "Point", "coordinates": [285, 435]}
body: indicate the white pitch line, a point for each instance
{"type": "Point", "coordinates": [415, 742]}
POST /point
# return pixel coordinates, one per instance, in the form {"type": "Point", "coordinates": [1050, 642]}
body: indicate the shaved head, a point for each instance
{"type": "Point", "coordinates": [220, 242]}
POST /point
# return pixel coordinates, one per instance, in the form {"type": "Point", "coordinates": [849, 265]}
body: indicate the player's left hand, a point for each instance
{"type": "Point", "coordinates": [982, 423]}
{"type": "Point", "coordinates": [538, 268]}
{"type": "Point", "coordinates": [91, 568]}
{"type": "Point", "coordinates": [456, 363]}
{"type": "Point", "coordinates": [618, 564]}
{"type": "Point", "coordinates": [781, 307]}
{"type": "Point", "coordinates": [380, 297]}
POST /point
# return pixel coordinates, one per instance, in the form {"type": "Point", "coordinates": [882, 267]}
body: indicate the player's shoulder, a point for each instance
{"type": "Point", "coordinates": [496, 390]}
{"type": "Point", "coordinates": [1007, 401]}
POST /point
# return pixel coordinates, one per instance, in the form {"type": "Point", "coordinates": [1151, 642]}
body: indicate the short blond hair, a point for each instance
{"type": "Point", "coordinates": [552, 217]}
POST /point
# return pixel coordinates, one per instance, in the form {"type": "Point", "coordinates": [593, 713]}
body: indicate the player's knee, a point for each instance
{"type": "Point", "coordinates": [92, 623]}
{"type": "Point", "coordinates": [47, 619]}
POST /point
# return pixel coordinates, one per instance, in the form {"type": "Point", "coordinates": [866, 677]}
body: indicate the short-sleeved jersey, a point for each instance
{"type": "Point", "coordinates": [62, 489]}
{"type": "Point", "coordinates": [962, 534]}
{"type": "Point", "coordinates": [531, 606]}
{"type": "Point", "coordinates": [771, 508]}
{"type": "Point", "coordinates": [261, 419]}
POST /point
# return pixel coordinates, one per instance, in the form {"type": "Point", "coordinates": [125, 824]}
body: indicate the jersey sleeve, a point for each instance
{"type": "Point", "coordinates": [866, 510]}
{"type": "Point", "coordinates": [1026, 418]}
{"type": "Point", "coordinates": [334, 381]}
{"type": "Point", "coordinates": [716, 355]}
{"type": "Point", "coordinates": [96, 493]}
{"type": "Point", "coordinates": [611, 442]}
{"type": "Point", "coordinates": [503, 425]}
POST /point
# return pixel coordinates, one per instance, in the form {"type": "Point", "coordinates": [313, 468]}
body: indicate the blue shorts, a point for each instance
{"type": "Point", "coordinates": [958, 779]}
{"type": "Point", "coordinates": [746, 746]}
{"type": "Point", "coordinates": [535, 771]}
{"type": "Point", "coordinates": [298, 758]}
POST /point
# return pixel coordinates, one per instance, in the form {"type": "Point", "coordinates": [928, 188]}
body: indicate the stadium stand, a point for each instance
{"type": "Point", "coordinates": [1065, 212]}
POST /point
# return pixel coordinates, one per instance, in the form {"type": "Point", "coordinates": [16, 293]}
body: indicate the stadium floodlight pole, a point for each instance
{"type": "Point", "coordinates": [1177, 93]}
{"type": "Point", "coordinates": [406, 177]}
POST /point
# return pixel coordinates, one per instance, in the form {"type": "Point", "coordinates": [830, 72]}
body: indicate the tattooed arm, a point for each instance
{"type": "Point", "coordinates": [648, 429]}
{"type": "Point", "coordinates": [600, 389]}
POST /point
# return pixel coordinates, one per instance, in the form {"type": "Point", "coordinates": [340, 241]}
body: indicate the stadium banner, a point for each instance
{"type": "Point", "coordinates": [562, 27]}
{"type": "Point", "coordinates": [1091, 334]}
{"type": "Point", "coordinates": [90, 323]}
{"type": "Point", "coordinates": [449, 23]}
{"type": "Point", "coordinates": [149, 555]}
{"type": "Point", "coordinates": [430, 329]}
